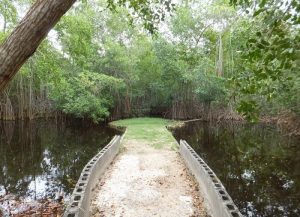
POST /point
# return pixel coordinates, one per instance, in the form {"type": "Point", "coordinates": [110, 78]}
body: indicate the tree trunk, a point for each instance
{"type": "Point", "coordinates": [231, 55]}
{"type": "Point", "coordinates": [220, 57]}
{"type": "Point", "coordinates": [28, 35]}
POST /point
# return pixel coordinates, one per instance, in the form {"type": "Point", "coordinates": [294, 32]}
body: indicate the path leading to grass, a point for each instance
{"type": "Point", "coordinates": [148, 178]}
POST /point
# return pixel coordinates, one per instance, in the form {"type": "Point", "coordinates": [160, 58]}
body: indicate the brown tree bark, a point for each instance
{"type": "Point", "coordinates": [27, 36]}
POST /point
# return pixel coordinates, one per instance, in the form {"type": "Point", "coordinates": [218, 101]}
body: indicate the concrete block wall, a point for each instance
{"type": "Point", "coordinates": [79, 205]}
{"type": "Point", "coordinates": [215, 195]}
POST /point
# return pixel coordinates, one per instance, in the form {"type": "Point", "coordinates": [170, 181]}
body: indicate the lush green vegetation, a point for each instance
{"type": "Point", "coordinates": [112, 59]}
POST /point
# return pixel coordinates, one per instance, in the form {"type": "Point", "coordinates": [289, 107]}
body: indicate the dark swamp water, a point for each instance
{"type": "Point", "coordinates": [259, 167]}
{"type": "Point", "coordinates": [40, 159]}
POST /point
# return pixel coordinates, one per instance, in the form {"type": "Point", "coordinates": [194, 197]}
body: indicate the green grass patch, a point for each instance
{"type": "Point", "coordinates": [151, 130]}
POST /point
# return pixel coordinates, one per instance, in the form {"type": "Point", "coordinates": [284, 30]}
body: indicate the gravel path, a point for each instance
{"type": "Point", "coordinates": [144, 181]}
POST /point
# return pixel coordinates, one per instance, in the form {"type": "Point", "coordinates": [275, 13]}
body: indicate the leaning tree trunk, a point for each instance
{"type": "Point", "coordinates": [28, 35]}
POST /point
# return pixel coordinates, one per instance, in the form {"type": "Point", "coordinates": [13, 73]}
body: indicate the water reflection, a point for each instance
{"type": "Point", "coordinates": [41, 158]}
{"type": "Point", "coordinates": [259, 167]}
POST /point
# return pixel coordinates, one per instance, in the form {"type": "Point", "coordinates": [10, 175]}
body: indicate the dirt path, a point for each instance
{"type": "Point", "coordinates": [145, 181]}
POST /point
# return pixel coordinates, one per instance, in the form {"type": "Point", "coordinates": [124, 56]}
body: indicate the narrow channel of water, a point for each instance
{"type": "Point", "coordinates": [259, 166]}
{"type": "Point", "coordinates": [40, 159]}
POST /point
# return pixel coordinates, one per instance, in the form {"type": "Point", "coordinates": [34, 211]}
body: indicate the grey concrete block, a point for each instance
{"type": "Point", "coordinates": [215, 195]}
{"type": "Point", "coordinates": [79, 205]}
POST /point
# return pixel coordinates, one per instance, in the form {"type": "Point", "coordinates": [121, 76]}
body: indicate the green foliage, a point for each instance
{"type": "Point", "coordinates": [272, 51]}
{"type": "Point", "coordinates": [249, 109]}
{"type": "Point", "coordinates": [149, 12]}
{"type": "Point", "coordinates": [2, 36]}
{"type": "Point", "coordinates": [211, 87]}
{"type": "Point", "coordinates": [8, 13]}
{"type": "Point", "coordinates": [86, 95]}
{"type": "Point", "coordinates": [76, 33]}
{"type": "Point", "coordinates": [99, 65]}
